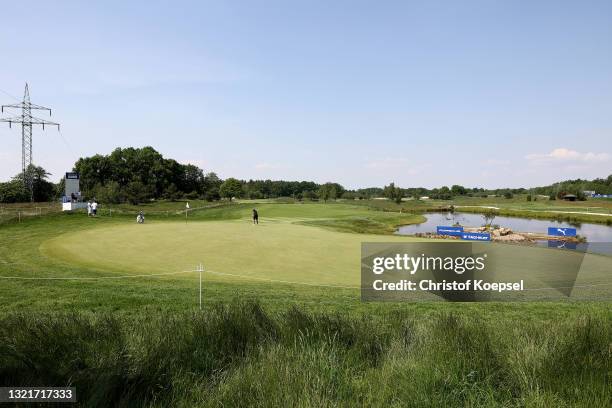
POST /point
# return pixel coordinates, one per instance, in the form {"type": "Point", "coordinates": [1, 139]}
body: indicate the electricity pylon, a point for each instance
{"type": "Point", "coordinates": [27, 121]}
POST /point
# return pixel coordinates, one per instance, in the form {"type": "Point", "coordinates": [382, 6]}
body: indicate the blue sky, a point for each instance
{"type": "Point", "coordinates": [422, 93]}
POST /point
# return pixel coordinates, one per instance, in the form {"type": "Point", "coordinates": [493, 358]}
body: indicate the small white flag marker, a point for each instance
{"type": "Point", "coordinates": [187, 206]}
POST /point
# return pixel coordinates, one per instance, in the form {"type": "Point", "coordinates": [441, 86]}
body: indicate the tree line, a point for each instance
{"type": "Point", "coordinates": [138, 175]}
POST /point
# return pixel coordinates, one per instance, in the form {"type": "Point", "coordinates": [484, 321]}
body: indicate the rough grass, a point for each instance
{"type": "Point", "coordinates": [240, 354]}
{"type": "Point", "coordinates": [546, 214]}
{"type": "Point", "coordinates": [384, 223]}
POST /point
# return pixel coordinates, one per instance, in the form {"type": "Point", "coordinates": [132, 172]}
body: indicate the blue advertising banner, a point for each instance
{"type": "Point", "coordinates": [476, 236]}
{"type": "Point", "coordinates": [562, 232]}
{"type": "Point", "coordinates": [456, 231]}
{"type": "Point", "coordinates": [562, 245]}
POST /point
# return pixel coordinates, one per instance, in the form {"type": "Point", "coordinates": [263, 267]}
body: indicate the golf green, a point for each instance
{"type": "Point", "coordinates": [282, 252]}
{"type": "Point", "coordinates": [274, 250]}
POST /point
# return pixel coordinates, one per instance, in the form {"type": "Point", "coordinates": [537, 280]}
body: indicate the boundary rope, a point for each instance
{"type": "Point", "coordinates": [93, 278]}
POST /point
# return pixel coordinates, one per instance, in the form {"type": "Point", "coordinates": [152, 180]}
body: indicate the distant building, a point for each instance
{"type": "Point", "coordinates": [424, 198]}
{"type": "Point", "coordinates": [589, 193]}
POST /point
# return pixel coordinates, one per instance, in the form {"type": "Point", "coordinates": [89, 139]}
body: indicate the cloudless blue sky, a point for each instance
{"type": "Point", "coordinates": [424, 93]}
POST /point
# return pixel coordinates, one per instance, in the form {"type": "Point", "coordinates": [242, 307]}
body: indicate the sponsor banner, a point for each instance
{"type": "Point", "coordinates": [562, 232]}
{"type": "Point", "coordinates": [454, 231]}
{"type": "Point", "coordinates": [476, 236]}
{"type": "Point", "coordinates": [562, 245]}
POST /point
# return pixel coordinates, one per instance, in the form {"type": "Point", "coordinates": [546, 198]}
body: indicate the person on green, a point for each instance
{"type": "Point", "coordinates": [255, 217]}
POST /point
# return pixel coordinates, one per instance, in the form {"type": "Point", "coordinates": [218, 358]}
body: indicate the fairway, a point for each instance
{"type": "Point", "coordinates": [274, 250]}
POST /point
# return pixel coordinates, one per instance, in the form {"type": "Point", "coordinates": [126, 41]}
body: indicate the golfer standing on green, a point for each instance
{"type": "Point", "coordinates": [255, 217]}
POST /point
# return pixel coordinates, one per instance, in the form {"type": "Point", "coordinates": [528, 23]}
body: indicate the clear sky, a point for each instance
{"type": "Point", "coordinates": [424, 93]}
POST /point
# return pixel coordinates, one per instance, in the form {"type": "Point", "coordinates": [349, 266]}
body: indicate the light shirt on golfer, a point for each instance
{"type": "Point", "coordinates": [94, 206]}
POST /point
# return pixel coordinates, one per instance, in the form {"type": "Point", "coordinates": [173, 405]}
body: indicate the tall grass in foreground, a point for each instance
{"type": "Point", "coordinates": [239, 354]}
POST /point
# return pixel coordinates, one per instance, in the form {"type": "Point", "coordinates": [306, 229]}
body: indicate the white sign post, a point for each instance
{"type": "Point", "coordinates": [186, 209]}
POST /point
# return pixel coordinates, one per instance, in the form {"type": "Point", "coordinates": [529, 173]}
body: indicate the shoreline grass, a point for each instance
{"type": "Point", "coordinates": [547, 215]}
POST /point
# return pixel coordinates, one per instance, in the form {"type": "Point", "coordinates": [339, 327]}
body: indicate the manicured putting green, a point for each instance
{"type": "Point", "coordinates": [281, 251]}
{"type": "Point", "coordinates": [273, 250]}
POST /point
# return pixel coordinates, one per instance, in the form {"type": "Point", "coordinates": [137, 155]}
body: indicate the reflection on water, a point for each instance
{"type": "Point", "coordinates": [563, 245]}
{"type": "Point", "coordinates": [590, 247]}
{"type": "Point", "coordinates": [598, 236]}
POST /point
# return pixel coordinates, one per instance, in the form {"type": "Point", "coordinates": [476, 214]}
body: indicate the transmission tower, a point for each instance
{"type": "Point", "coordinates": [27, 121]}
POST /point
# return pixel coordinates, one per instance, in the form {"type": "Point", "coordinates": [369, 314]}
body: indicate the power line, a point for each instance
{"type": "Point", "coordinates": [9, 95]}
{"type": "Point", "coordinates": [27, 121]}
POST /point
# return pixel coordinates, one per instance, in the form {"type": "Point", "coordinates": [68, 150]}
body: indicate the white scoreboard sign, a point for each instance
{"type": "Point", "coordinates": [72, 184]}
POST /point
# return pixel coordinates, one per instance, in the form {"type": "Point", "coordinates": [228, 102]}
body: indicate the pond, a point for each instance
{"type": "Point", "coordinates": [594, 233]}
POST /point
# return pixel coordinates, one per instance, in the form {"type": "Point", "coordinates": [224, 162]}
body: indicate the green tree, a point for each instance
{"type": "Point", "coordinates": [172, 192]}
{"type": "Point", "coordinates": [111, 193]}
{"type": "Point", "coordinates": [193, 179]}
{"type": "Point", "coordinates": [489, 216]}
{"type": "Point", "coordinates": [393, 193]}
{"type": "Point", "coordinates": [350, 195]}
{"type": "Point", "coordinates": [42, 190]}
{"type": "Point", "coordinates": [324, 192]}
{"type": "Point", "coordinates": [230, 188]}
{"type": "Point", "coordinates": [13, 192]}
{"type": "Point", "coordinates": [458, 190]}
{"type": "Point", "coordinates": [136, 192]}
{"type": "Point", "coordinates": [211, 185]}
{"type": "Point", "coordinates": [330, 191]}
{"type": "Point", "coordinates": [309, 195]}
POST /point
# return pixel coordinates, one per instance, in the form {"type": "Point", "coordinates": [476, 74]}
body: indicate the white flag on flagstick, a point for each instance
{"type": "Point", "coordinates": [187, 206]}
